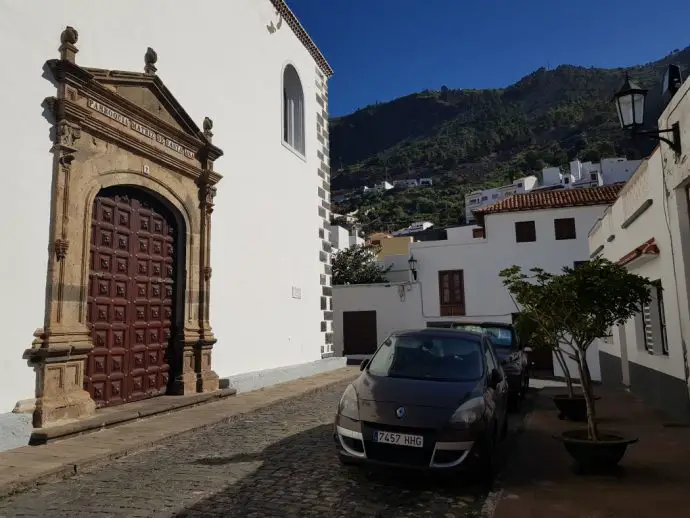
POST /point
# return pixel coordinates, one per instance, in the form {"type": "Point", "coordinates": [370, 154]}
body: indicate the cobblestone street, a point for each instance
{"type": "Point", "coordinates": [278, 461]}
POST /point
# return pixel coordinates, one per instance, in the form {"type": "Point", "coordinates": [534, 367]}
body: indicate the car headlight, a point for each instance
{"type": "Point", "coordinates": [348, 406]}
{"type": "Point", "coordinates": [470, 411]}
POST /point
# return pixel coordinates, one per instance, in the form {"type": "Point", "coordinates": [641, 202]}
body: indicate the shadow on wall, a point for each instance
{"type": "Point", "coordinates": [301, 476]}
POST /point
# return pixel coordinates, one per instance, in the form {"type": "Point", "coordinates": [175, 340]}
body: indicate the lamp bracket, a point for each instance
{"type": "Point", "coordinates": [673, 143]}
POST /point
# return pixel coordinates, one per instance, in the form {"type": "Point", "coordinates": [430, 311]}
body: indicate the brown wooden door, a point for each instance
{"type": "Point", "coordinates": [131, 296]}
{"type": "Point", "coordinates": [359, 332]}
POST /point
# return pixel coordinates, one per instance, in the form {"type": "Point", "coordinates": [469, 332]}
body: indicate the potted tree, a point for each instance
{"type": "Point", "coordinates": [584, 303]}
{"type": "Point", "coordinates": [537, 325]}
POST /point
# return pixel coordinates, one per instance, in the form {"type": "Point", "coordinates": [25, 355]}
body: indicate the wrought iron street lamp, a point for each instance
{"type": "Point", "coordinates": [413, 266]}
{"type": "Point", "coordinates": [630, 102]}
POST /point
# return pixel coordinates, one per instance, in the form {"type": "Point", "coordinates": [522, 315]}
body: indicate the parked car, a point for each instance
{"type": "Point", "coordinates": [432, 399]}
{"type": "Point", "coordinates": [512, 354]}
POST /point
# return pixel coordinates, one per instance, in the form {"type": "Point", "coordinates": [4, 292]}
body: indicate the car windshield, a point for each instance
{"type": "Point", "coordinates": [429, 357]}
{"type": "Point", "coordinates": [501, 337]}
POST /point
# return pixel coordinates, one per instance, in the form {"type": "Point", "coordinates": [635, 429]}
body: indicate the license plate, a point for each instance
{"type": "Point", "coordinates": [399, 439]}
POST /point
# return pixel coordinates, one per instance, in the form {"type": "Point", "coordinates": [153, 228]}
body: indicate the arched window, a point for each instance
{"type": "Point", "coordinates": [293, 110]}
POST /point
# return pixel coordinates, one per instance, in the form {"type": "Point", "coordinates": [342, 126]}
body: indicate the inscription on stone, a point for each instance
{"type": "Point", "coordinates": [139, 128]}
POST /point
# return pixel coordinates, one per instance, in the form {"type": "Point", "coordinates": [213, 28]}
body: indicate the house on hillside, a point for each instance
{"type": "Point", "coordinates": [343, 238]}
{"type": "Point", "coordinates": [648, 231]}
{"type": "Point", "coordinates": [485, 197]}
{"type": "Point", "coordinates": [457, 278]}
{"type": "Point", "coordinates": [580, 175]}
{"type": "Point", "coordinates": [129, 276]}
{"type": "Point", "coordinates": [417, 226]}
{"type": "Point", "coordinates": [383, 186]}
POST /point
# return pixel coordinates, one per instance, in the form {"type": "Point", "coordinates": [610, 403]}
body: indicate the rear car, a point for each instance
{"type": "Point", "coordinates": [512, 354]}
{"type": "Point", "coordinates": [432, 399]}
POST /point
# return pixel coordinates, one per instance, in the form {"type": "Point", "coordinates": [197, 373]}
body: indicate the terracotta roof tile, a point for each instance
{"type": "Point", "coordinates": [559, 198]}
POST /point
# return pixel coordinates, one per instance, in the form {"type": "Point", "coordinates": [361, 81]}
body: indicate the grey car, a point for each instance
{"type": "Point", "coordinates": [510, 351]}
{"type": "Point", "coordinates": [432, 399]}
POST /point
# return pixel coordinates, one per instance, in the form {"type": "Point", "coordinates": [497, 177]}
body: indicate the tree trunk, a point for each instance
{"type": "Point", "coordinates": [585, 380]}
{"type": "Point", "coordinates": [566, 372]}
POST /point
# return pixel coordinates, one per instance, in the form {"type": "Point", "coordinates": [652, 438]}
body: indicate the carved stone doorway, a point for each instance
{"type": "Point", "coordinates": [127, 316]}
{"type": "Point", "coordinates": [132, 295]}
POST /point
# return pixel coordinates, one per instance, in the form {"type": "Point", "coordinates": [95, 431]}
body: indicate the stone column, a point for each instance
{"type": "Point", "coordinates": [58, 352]}
{"type": "Point", "coordinates": [208, 380]}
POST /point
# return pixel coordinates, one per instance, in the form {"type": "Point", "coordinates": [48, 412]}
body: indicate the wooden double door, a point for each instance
{"type": "Point", "coordinates": [131, 296]}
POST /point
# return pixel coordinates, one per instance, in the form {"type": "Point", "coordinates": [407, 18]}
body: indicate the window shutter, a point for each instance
{"type": "Point", "coordinates": [662, 318]}
{"type": "Point", "coordinates": [451, 286]}
{"type": "Point", "coordinates": [648, 329]}
{"type": "Point", "coordinates": [459, 290]}
{"type": "Point", "coordinates": [525, 232]}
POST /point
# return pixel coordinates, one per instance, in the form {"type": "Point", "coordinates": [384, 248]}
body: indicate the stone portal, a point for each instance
{"type": "Point", "coordinates": [127, 298]}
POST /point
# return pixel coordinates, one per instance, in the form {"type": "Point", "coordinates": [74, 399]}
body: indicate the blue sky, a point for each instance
{"type": "Point", "coordinates": [383, 49]}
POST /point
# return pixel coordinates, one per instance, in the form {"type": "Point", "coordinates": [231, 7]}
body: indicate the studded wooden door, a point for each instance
{"type": "Point", "coordinates": [131, 299]}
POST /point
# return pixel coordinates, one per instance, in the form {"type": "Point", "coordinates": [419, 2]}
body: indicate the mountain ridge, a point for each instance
{"type": "Point", "coordinates": [473, 138]}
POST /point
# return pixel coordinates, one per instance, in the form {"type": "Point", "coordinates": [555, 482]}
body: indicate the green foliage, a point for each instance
{"type": "Point", "coordinates": [357, 265]}
{"type": "Point", "coordinates": [581, 304]}
{"type": "Point", "coordinates": [577, 307]}
{"type": "Point", "coordinates": [482, 137]}
{"type": "Point", "coordinates": [530, 333]}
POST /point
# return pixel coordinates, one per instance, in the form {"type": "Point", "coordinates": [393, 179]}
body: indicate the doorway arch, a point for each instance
{"type": "Point", "coordinates": [134, 295]}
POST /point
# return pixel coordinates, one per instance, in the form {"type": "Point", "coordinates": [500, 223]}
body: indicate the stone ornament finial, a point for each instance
{"type": "Point", "coordinates": [208, 126]}
{"type": "Point", "coordinates": [150, 59]}
{"type": "Point", "coordinates": [68, 40]}
{"type": "Point", "coordinates": [69, 35]}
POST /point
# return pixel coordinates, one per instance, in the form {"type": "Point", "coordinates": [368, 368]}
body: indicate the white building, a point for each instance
{"type": "Point", "coordinates": [342, 238]}
{"type": "Point", "coordinates": [648, 231]}
{"type": "Point", "coordinates": [383, 186]}
{"type": "Point", "coordinates": [458, 278]}
{"type": "Point", "coordinates": [248, 65]}
{"type": "Point", "coordinates": [580, 175]}
{"type": "Point", "coordinates": [411, 183]}
{"type": "Point", "coordinates": [483, 198]}
{"type": "Point", "coordinates": [417, 226]}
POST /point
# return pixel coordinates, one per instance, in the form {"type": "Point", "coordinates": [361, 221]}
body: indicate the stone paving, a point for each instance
{"type": "Point", "coordinates": [272, 462]}
{"type": "Point", "coordinates": [652, 480]}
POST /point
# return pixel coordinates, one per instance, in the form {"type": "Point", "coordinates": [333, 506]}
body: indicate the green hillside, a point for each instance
{"type": "Point", "coordinates": [466, 139]}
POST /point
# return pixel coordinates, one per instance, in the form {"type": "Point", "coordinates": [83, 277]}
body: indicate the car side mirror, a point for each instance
{"type": "Point", "coordinates": [495, 378]}
{"type": "Point", "coordinates": [527, 349]}
{"type": "Point", "coordinates": [363, 365]}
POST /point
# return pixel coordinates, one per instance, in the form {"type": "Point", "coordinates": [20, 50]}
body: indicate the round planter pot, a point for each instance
{"type": "Point", "coordinates": [572, 408]}
{"type": "Point", "coordinates": [595, 456]}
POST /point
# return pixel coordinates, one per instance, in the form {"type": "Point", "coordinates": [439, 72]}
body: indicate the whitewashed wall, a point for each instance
{"type": "Point", "coordinates": [397, 306]}
{"type": "Point", "coordinates": [643, 186]}
{"type": "Point", "coordinates": [221, 62]}
{"type": "Point", "coordinates": [399, 267]}
{"type": "Point", "coordinates": [667, 221]}
{"type": "Point", "coordinates": [482, 259]}
{"type": "Point", "coordinates": [676, 172]}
